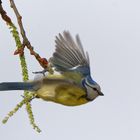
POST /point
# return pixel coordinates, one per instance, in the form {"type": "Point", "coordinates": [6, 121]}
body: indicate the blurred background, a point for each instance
{"type": "Point", "coordinates": [110, 32]}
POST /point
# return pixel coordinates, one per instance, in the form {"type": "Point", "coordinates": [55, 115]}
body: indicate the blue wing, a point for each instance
{"type": "Point", "coordinates": [69, 55]}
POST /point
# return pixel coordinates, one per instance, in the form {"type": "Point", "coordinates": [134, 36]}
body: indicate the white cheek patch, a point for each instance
{"type": "Point", "coordinates": [91, 94]}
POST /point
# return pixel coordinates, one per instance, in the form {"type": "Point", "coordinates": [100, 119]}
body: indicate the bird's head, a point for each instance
{"type": "Point", "coordinates": [93, 89]}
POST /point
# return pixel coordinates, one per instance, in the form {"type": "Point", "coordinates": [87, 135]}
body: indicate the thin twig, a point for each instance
{"type": "Point", "coordinates": [24, 66]}
{"type": "Point", "coordinates": [16, 37]}
{"type": "Point", "coordinates": [26, 43]}
{"type": "Point", "coordinates": [4, 15]}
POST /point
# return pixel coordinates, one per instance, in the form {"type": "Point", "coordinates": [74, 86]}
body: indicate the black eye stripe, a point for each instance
{"type": "Point", "coordinates": [91, 86]}
{"type": "Point", "coordinates": [95, 89]}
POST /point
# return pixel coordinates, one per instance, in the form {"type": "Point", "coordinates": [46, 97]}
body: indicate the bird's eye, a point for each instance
{"type": "Point", "coordinates": [95, 89]}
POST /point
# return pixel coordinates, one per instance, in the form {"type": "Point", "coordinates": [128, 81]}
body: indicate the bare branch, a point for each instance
{"type": "Point", "coordinates": [4, 15]}
{"type": "Point", "coordinates": [26, 43]}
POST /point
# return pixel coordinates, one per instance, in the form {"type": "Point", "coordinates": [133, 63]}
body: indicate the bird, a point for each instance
{"type": "Point", "coordinates": [71, 84]}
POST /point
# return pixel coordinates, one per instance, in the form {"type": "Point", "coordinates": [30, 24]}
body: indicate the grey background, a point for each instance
{"type": "Point", "coordinates": [110, 32]}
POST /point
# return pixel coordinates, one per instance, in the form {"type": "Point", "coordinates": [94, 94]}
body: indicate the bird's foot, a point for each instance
{"type": "Point", "coordinates": [40, 72]}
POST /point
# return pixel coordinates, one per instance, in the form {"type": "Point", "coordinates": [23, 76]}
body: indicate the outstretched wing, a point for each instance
{"type": "Point", "coordinates": [69, 56]}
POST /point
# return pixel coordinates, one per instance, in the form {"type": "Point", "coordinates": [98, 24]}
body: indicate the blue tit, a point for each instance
{"type": "Point", "coordinates": [71, 84]}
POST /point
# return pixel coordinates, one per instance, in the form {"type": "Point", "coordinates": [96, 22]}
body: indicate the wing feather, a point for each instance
{"type": "Point", "coordinates": [69, 54]}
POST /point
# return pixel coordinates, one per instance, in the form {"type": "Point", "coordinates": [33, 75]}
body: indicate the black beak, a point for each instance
{"type": "Point", "coordinates": [100, 93]}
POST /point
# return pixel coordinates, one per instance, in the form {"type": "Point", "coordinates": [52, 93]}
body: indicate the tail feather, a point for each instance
{"type": "Point", "coordinates": [17, 86]}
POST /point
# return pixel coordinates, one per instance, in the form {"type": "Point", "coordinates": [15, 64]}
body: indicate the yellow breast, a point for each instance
{"type": "Point", "coordinates": [62, 92]}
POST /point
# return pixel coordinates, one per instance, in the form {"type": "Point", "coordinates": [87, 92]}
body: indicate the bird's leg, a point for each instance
{"type": "Point", "coordinates": [48, 69]}
{"type": "Point", "coordinates": [40, 72]}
